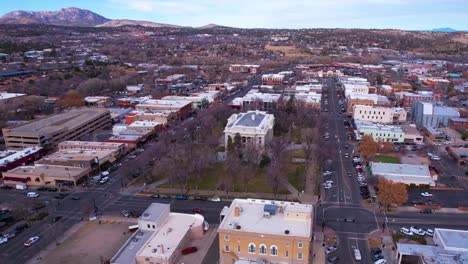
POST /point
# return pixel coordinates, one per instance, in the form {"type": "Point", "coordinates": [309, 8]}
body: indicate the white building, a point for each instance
{"type": "Point", "coordinates": [450, 246]}
{"type": "Point", "coordinates": [379, 132]}
{"type": "Point", "coordinates": [254, 127]}
{"type": "Point", "coordinates": [381, 115]}
{"type": "Point", "coordinates": [161, 236]}
{"type": "Point", "coordinates": [404, 173]}
{"type": "Point", "coordinates": [261, 101]}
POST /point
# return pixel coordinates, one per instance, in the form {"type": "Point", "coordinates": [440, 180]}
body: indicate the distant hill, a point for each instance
{"type": "Point", "coordinates": [65, 17]}
{"type": "Point", "coordinates": [128, 22]}
{"type": "Point", "coordinates": [446, 30]}
{"type": "Point", "coordinates": [209, 26]}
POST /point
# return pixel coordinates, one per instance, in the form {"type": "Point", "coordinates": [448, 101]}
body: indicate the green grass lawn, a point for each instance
{"type": "Point", "coordinates": [209, 180]}
{"type": "Point", "coordinates": [296, 173]}
{"type": "Point", "coordinates": [297, 153]}
{"type": "Point", "coordinates": [386, 159]}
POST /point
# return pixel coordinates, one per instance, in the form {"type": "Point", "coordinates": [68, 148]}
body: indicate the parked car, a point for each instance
{"type": "Point", "coordinates": [332, 260]}
{"type": "Point", "coordinates": [406, 231]}
{"type": "Point", "coordinates": [435, 158]}
{"type": "Point", "coordinates": [416, 202]}
{"type": "Point", "coordinates": [21, 227]}
{"type": "Point", "coordinates": [56, 219]}
{"type": "Point", "coordinates": [197, 211]}
{"type": "Point", "coordinates": [31, 241]}
{"type": "Point", "coordinates": [327, 186]}
{"type": "Point", "coordinates": [200, 198]}
{"type": "Point", "coordinates": [349, 174]}
{"type": "Point", "coordinates": [326, 173]}
{"type": "Point", "coordinates": [380, 261]}
{"type": "Point", "coordinates": [375, 251]}
{"type": "Point", "coordinates": [429, 232]}
{"type": "Point", "coordinates": [189, 250]}
{"type": "Point", "coordinates": [42, 189]}
{"type": "Point", "coordinates": [417, 231]}
{"type": "Point", "coordinates": [6, 187]}
{"type": "Point", "coordinates": [377, 257]}
{"type": "Point", "coordinates": [52, 189]}
{"type": "Point", "coordinates": [426, 211]}
{"type": "Point", "coordinates": [104, 180]}
{"type": "Point", "coordinates": [155, 196]}
{"type": "Point", "coordinates": [180, 197]}
{"type": "Point", "coordinates": [76, 198]}
{"type": "Point", "coordinates": [165, 196]}
{"type": "Point", "coordinates": [426, 194]}
{"type": "Point", "coordinates": [126, 213]}
{"type": "Point", "coordinates": [3, 239]}
{"type": "Point", "coordinates": [330, 249]}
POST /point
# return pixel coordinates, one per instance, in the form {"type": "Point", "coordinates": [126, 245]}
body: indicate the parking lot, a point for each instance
{"type": "Point", "coordinates": [93, 243]}
{"type": "Point", "coordinates": [449, 198]}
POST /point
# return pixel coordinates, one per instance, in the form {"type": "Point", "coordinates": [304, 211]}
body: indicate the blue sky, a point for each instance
{"type": "Point", "coordinates": [400, 14]}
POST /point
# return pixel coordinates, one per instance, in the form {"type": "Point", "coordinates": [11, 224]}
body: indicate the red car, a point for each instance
{"type": "Point", "coordinates": [197, 211]}
{"type": "Point", "coordinates": [189, 250]}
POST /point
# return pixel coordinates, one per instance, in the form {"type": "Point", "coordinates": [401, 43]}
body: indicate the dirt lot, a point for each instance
{"type": "Point", "coordinates": [90, 243]}
{"type": "Point", "coordinates": [288, 51]}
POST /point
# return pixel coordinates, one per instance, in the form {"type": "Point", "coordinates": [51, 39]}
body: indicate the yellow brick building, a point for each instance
{"type": "Point", "coordinates": [268, 231]}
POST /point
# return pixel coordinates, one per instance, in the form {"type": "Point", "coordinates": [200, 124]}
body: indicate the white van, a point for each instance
{"type": "Point", "coordinates": [406, 231]}
{"type": "Point", "coordinates": [32, 195]}
{"type": "Point", "coordinates": [380, 261]}
{"type": "Point", "coordinates": [357, 254]}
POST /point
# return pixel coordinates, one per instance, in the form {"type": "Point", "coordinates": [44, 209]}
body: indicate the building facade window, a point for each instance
{"type": "Point", "coordinates": [274, 250]}
{"type": "Point", "coordinates": [226, 248]}
{"type": "Point", "coordinates": [263, 249]}
{"type": "Point", "coordinates": [300, 245]}
{"type": "Point", "coordinates": [252, 248]}
{"type": "Point", "coordinates": [286, 254]}
{"type": "Point", "coordinates": [299, 256]}
{"type": "Point", "coordinates": [226, 238]}
{"type": "Point", "coordinates": [238, 248]}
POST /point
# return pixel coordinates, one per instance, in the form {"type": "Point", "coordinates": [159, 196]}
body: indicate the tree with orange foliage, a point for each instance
{"type": "Point", "coordinates": [368, 147]}
{"type": "Point", "coordinates": [72, 99]}
{"type": "Point", "coordinates": [391, 193]}
{"type": "Point", "coordinates": [386, 147]}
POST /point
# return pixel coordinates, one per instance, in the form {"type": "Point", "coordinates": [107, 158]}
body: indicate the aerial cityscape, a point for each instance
{"type": "Point", "coordinates": [234, 132]}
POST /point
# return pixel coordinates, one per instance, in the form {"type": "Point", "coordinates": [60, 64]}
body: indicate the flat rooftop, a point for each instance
{"type": "Point", "coordinates": [433, 254]}
{"type": "Point", "coordinates": [4, 96]}
{"type": "Point", "coordinates": [408, 170]}
{"type": "Point", "coordinates": [164, 103]}
{"type": "Point", "coordinates": [168, 237]}
{"type": "Point", "coordinates": [453, 239]}
{"type": "Point", "coordinates": [88, 144]}
{"type": "Point", "coordinates": [127, 254]}
{"type": "Point", "coordinates": [251, 218]}
{"type": "Point", "coordinates": [13, 155]}
{"type": "Point", "coordinates": [64, 155]}
{"type": "Point", "coordinates": [54, 123]}
{"type": "Point", "coordinates": [60, 172]}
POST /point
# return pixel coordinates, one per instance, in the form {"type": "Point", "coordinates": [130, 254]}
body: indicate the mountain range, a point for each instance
{"type": "Point", "coordinates": [73, 16]}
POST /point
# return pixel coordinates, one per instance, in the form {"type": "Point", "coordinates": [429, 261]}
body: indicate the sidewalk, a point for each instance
{"type": "Point", "coordinates": [53, 245]}
{"type": "Point", "coordinates": [414, 209]}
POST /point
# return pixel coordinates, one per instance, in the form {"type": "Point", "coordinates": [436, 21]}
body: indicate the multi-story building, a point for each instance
{"type": "Point", "coordinates": [182, 108]}
{"type": "Point", "coordinates": [261, 101]}
{"type": "Point", "coordinates": [199, 100]}
{"type": "Point", "coordinates": [367, 99]}
{"type": "Point", "coordinates": [46, 175]}
{"type": "Point", "coordinates": [47, 132]}
{"type": "Point", "coordinates": [254, 127]}
{"type": "Point", "coordinates": [245, 68]}
{"type": "Point", "coordinates": [11, 98]}
{"type": "Point", "coordinates": [432, 115]}
{"type": "Point", "coordinates": [381, 115]}
{"type": "Point", "coordinates": [449, 246]}
{"type": "Point", "coordinates": [10, 159]}
{"type": "Point", "coordinates": [351, 88]}
{"type": "Point", "coordinates": [161, 236]}
{"type": "Point", "coordinates": [262, 231]}
{"type": "Point", "coordinates": [412, 134]}
{"type": "Point", "coordinates": [404, 173]}
{"type": "Point", "coordinates": [379, 132]}
{"type": "Point", "coordinates": [312, 100]}
{"type": "Point", "coordinates": [434, 134]}
{"type": "Point", "coordinates": [99, 101]}
{"type": "Point", "coordinates": [92, 145]}
{"type": "Point", "coordinates": [272, 79]}
{"type": "Point", "coordinates": [408, 98]}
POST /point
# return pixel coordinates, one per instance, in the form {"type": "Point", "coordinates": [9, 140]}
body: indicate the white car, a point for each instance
{"type": "Point", "coordinates": [329, 182]}
{"type": "Point", "coordinates": [326, 173]}
{"type": "Point", "coordinates": [429, 232]}
{"type": "Point", "coordinates": [327, 186]}
{"type": "Point", "coordinates": [3, 239]}
{"type": "Point", "coordinates": [32, 194]}
{"type": "Point", "coordinates": [104, 180]}
{"type": "Point", "coordinates": [417, 231]}
{"type": "Point", "coordinates": [216, 199]}
{"type": "Point", "coordinates": [357, 254]}
{"type": "Point", "coordinates": [435, 158]}
{"type": "Point", "coordinates": [430, 154]}
{"type": "Point", "coordinates": [380, 261]}
{"type": "Point", "coordinates": [406, 231]}
{"type": "Point", "coordinates": [426, 194]}
{"type": "Point", "coordinates": [31, 241]}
